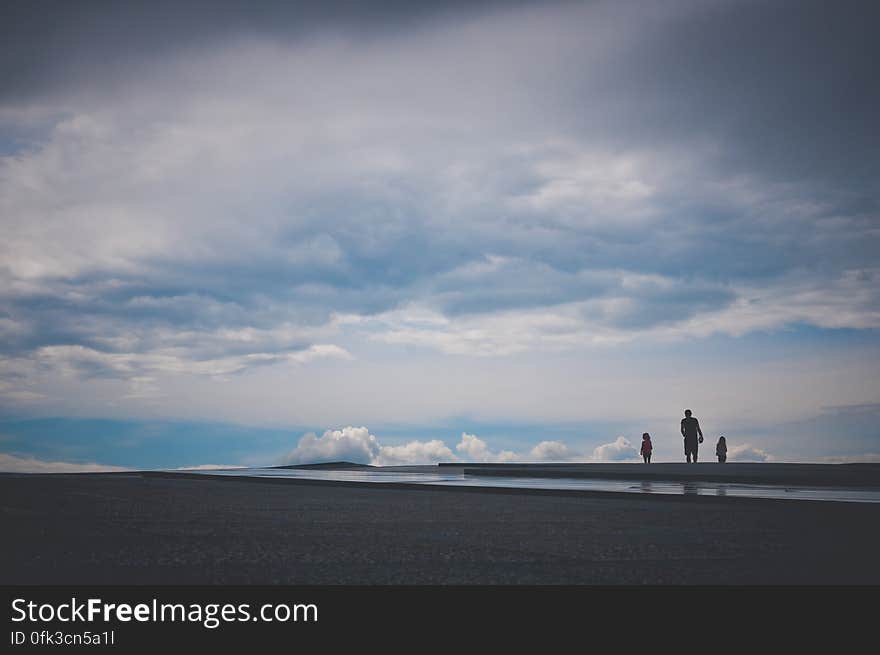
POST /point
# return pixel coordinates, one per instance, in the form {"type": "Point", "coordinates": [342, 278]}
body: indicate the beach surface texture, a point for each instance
{"type": "Point", "coordinates": [173, 528]}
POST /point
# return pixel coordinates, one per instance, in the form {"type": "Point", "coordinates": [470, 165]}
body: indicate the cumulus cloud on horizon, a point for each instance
{"type": "Point", "coordinates": [357, 444]}
{"type": "Point", "coordinates": [474, 449]}
{"type": "Point", "coordinates": [209, 467]}
{"type": "Point", "coordinates": [350, 444]}
{"type": "Point", "coordinates": [620, 450]}
{"type": "Point", "coordinates": [747, 453]}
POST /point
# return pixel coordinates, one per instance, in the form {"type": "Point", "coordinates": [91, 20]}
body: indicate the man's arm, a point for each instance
{"type": "Point", "coordinates": [682, 428]}
{"type": "Point", "coordinates": [699, 431]}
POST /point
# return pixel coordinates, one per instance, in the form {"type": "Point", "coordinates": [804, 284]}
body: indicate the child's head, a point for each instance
{"type": "Point", "coordinates": [721, 439]}
{"type": "Point", "coordinates": [646, 436]}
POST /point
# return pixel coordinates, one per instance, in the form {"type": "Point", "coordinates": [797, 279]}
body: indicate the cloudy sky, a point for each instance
{"type": "Point", "coordinates": [251, 233]}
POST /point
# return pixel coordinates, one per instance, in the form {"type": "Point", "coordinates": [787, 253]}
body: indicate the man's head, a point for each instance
{"type": "Point", "coordinates": [687, 413]}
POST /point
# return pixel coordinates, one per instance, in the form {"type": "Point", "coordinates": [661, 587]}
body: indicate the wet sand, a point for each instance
{"type": "Point", "coordinates": [820, 475]}
{"type": "Point", "coordinates": [178, 529]}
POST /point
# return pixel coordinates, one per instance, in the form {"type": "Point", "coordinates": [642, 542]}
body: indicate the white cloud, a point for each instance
{"type": "Point", "coordinates": [747, 453]}
{"type": "Point", "coordinates": [592, 184]}
{"type": "Point", "coordinates": [474, 449]}
{"type": "Point", "coordinates": [617, 451]}
{"type": "Point", "coordinates": [359, 445]}
{"type": "Point", "coordinates": [74, 359]}
{"type": "Point", "coordinates": [209, 467]}
{"type": "Point", "coordinates": [356, 444]}
{"type": "Point", "coordinates": [10, 392]}
{"type": "Point", "coordinates": [550, 451]}
{"type": "Point", "coordinates": [496, 334]}
{"type": "Point", "coordinates": [415, 452]}
{"type": "Point", "coordinates": [350, 444]}
{"type": "Point", "coordinates": [13, 464]}
{"type": "Point", "coordinates": [852, 300]}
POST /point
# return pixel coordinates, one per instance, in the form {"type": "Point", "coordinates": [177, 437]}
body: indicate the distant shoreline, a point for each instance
{"type": "Point", "coordinates": [842, 474]}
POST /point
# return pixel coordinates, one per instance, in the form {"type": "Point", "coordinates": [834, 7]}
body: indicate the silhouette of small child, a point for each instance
{"type": "Point", "coordinates": [646, 447]}
{"type": "Point", "coordinates": [721, 449]}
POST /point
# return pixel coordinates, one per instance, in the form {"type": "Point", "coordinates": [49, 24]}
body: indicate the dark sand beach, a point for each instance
{"type": "Point", "coordinates": [187, 529]}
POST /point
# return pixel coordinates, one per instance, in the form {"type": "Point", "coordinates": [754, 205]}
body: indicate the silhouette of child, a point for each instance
{"type": "Point", "coordinates": [646, 447]}
{"type": "Point", "coordinates": [721, 449]}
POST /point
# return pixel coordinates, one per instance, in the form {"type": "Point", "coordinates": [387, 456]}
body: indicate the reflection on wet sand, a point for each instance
{"type": "Point", "coordinates": [448, 478]}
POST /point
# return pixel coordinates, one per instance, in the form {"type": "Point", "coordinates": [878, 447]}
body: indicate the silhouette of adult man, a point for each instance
{"type": "Point", "coordinates": [693, 435]}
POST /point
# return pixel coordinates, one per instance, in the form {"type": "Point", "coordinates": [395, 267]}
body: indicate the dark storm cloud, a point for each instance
{"type": "Point", "coordinates": [788, 87]}
{"type": "Point", "coordinates": [51, 43]}
{"type": "Point", "coordinates": [197, 173]}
